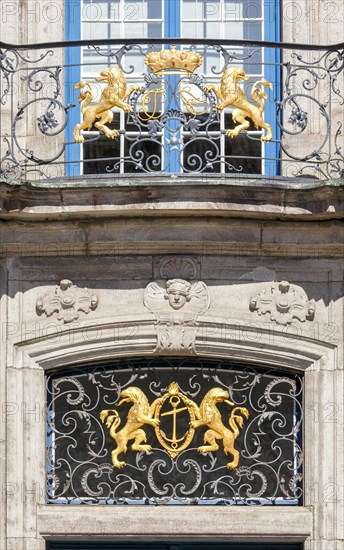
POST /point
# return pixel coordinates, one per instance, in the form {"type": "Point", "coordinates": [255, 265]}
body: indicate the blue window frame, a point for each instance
{"type": "Point", "coordinates": [173, 28]}
{"type": "Point", "coordinates": [72, 75]}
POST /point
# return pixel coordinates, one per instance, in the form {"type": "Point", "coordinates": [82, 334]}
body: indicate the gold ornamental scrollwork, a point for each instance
{"type": "Point", "coordinates": [149, 104]}
{"type": "Point", "coordinates": [173, 61]}
{"type": "Point", "coordinates": [194, 105]}
{"type": "Point", "coordinates": [168, 408]}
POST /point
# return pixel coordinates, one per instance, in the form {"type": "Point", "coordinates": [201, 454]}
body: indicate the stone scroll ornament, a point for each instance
{"type": "Point", "coordinates": [284, 302]}
{"type": "Point", "coordinates": [176, 304]}
{"type": "Point", "coordinates": [66, 300]}
{"type": "Point", "coordinates": [168, 407]}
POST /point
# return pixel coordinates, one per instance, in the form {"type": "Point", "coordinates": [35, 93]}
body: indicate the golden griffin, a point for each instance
{"type": "Point", "coordinates": [140, 413]}
{"type": "Point", "coordinates": [113, 95]}
{"type": "Point", "coordinates": [209, 415]}
{"type": "Point", "coordinates": [169, 406]}
{"type": "Point", "coordinates": [231, 95]}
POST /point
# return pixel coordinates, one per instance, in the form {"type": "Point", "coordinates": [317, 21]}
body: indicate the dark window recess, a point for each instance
{"type": "Point", "coordinates": [173, 546]}
{"type": "Point", "coordinates": [102, 155]}
{"type": "Point", "coordinates": [144, 153]}
{"type": "Point", "coordinates": [96, 148]}
{"type": "Point", "coordinates": [244, 151]}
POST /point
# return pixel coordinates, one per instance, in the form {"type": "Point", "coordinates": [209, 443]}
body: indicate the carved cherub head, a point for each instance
{"type": "Point", "coordinates": [177, 292]}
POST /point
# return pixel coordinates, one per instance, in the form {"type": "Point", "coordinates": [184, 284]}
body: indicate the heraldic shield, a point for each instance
{"type": "Point", "coordinates": [167, 410]}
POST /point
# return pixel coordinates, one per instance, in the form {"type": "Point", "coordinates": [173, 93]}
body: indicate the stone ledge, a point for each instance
{"type": "Point", "coordinates": [258, 199]}
{"type": "Point", "coordinates": [163, 522]}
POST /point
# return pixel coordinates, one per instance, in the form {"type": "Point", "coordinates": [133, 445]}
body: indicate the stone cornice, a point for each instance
{"type": "Point", "coordinates": [262, 199]}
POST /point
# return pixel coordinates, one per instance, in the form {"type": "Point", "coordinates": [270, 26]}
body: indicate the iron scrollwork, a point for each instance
{"type": "Point", "coordinates": [176, 118]}
{"type": "Point", "coordinates": [176, 458]}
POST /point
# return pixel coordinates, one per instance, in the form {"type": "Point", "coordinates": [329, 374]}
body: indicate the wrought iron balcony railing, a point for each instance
{"type": "Point", "coordinates": [189, 107]}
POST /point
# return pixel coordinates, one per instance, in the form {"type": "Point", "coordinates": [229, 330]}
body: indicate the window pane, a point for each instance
{"type": "Point", "coordinates": [192, 30]}
{"type": "Point", "coordinates": [92, 31]}
{"type": "Point", "coordinates": [252, 9]}
{"type": "Point", "coordinates": [192, 9]}
{"type": "Point", "coordinates": [135, 11]}
{"type": "Point", "coordinates": [212, 10]}
{"type": "Point", "coordinates": [142, 30]}
{"type": "Point", "coordinates": [94, 10]}
{"type": "Point", "coordinates": [250, 30]}
{"type": "Point", "coordinates": [243, 150]}
{"type": "Point", "coordinates": [102, 147]}
{"type": "Point", "coordinates": [154, 9]}
{"type": "Point", "coordinates": [154, 30]}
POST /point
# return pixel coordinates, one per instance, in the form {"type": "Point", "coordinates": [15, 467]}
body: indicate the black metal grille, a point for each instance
{"type": "Point", "coordinates": [79, 445]}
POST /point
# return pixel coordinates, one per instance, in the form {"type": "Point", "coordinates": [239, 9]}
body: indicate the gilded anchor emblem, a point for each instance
{"type": "Point", "coordinates": [174, 397]}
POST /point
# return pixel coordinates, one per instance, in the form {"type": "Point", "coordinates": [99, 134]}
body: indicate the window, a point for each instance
{"type": "Point", "coordinates": [219, 19]}
{"type": "Point", "coordinates": [94, 459]}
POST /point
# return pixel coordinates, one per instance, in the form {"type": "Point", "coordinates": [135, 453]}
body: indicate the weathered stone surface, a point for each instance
{"type": "Point", "coordinates": [272, 198]}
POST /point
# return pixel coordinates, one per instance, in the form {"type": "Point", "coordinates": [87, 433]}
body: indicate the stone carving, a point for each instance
{"type": "Point", "coordinates": [176, 304]}
{"type": "Point", "coordinates": [66, 300]}
{"type": "Point", "coordinates": [284, 302]}
{"type": "Point", "coordinates": [172, 267]}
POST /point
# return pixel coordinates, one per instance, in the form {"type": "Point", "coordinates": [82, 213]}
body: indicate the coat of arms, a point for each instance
{"type": "Point", "coordinates": [173, 430]}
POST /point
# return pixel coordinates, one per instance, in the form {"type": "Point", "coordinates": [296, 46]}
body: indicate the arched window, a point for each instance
{"type": "Point", "coordinates": [174, 431]}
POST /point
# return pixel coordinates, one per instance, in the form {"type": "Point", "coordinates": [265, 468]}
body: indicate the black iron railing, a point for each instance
{"type": "Point", "coordinates": [198, 107]}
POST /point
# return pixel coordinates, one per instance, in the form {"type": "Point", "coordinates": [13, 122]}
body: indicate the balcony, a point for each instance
{"type": "Point", "coordinates": [195, 108]}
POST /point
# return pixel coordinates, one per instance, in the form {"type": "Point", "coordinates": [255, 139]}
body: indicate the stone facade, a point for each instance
{"type": "Point", "coordinates": [233, 246]}
{"type": "Point", "coordinates": [244, 239]}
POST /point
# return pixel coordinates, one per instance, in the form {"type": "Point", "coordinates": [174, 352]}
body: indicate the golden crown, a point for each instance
{"type": "Point", "coordinates": [173, 59]}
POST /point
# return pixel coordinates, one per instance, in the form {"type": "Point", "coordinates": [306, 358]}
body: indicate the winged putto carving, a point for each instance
{"type": "Point", "coordinates": [176, 304]}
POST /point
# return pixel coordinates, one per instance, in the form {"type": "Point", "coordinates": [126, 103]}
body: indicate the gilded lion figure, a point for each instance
{"type": "Point", "coordinates": [207, 414]}
{"type": "Point", "coordinates": [113, 95]}
{"type": "Point", "coordinates": [140, 413]}
{"type": "Point", "coordinates": [231, 95]}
